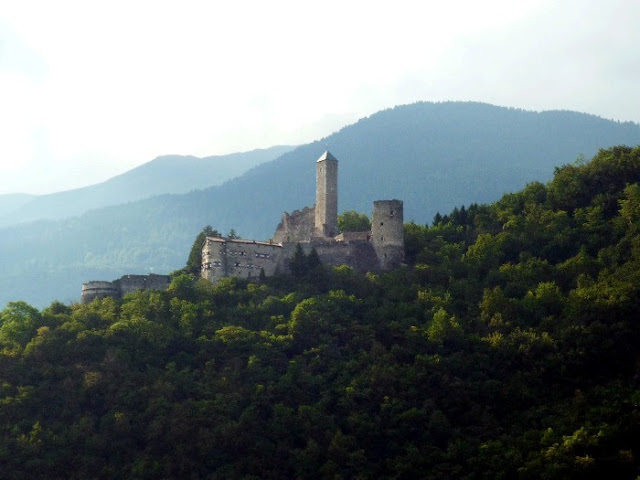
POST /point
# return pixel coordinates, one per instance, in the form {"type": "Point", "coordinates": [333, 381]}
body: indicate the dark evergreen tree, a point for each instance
{"type": "Point", "coordinates": [194, 260]}
{"type": "Point", "coordinates": [298, 263]}
{"type": "Point", "coordinates": [313, 260]}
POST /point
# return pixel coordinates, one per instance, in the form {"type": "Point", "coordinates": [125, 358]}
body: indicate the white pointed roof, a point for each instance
{"type": "Point", "coordinates": [327, 156]}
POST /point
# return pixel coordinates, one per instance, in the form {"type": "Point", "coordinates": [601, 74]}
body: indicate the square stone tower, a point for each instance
{"type": "Point", "coordinates": [326, 222]}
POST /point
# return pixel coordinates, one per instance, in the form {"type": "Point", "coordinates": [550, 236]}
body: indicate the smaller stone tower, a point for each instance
{"type": "Point", "coordinates": [93, 290]}
{"type": "Point", "coordinates": [387, 232]}
{"type": "Point", "coordinates": [326, 222]}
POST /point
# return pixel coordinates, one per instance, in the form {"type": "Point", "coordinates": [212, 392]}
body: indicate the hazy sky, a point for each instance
{"type": "Point", "coordinates": [89, 90]}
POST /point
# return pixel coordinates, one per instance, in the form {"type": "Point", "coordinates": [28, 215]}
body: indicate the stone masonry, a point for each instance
{"type": "Point", "coordinates": [125, 284]}
{"type": "Point", "coordinates": [314, 227]}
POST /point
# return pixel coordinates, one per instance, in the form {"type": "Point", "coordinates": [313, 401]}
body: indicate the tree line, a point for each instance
{"type": "Point", "coordinates": [507, 347]}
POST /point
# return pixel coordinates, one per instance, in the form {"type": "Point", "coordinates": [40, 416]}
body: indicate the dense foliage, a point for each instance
{"type": "Point", "coordinates": [507, 348]}
{"type": "Point", "coordinates": [352, 221]}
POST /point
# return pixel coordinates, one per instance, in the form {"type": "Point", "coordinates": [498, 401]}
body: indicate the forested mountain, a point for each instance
{"type": "Point", "coordinates": [166, 174]}
{"type": "Point", "coordinates": [506, 348]}
{"type": "Point", "coordinates": [431, 155]}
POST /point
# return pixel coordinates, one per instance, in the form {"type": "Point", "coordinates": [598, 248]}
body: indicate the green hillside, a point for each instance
{"type": "Point", "coordinates": [506, 348]}
{"type": "Point", "coordinates": [433, 156]}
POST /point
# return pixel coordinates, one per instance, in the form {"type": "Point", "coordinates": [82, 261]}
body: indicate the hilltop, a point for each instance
{"type": "Point", "coordinates": [434, 156]}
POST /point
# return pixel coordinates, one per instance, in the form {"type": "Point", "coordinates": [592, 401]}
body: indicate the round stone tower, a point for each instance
{"type": "Point", "coordinates": [326, 221]}
{"type": "Point", "coordinates": [93, 290]}
{"type": "Point", "coordinates": [387, 232]}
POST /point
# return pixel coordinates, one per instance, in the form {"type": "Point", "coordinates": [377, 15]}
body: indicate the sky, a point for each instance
{"type": "Point", "coordinates": [89, 90]}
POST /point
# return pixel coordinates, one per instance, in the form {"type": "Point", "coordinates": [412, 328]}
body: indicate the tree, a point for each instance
{"type": "Point", "coordinates": [352, 221]}
{"type": "Point", "coordinates": [18, 323]}
{"type": "Point", "coordinates": [305, 266]}
{"type": "Point", "coordinates": [313, 260]}
{"type": "Point", "coordinates": [298, 264]}
{"type": "Point", "coordinates": [195, 255]}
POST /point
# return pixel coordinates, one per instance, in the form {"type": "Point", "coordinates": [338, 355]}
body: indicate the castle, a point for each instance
{"type": "Point", "coordinates": [316, 227]}
{"type": "Point", "coordinates": [313, 228]}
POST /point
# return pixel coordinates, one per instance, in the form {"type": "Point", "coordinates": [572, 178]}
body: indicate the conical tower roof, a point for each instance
{"type": "Point", "coordinates": [327, 156]}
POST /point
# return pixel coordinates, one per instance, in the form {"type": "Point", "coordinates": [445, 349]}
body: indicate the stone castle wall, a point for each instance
{"type": "Point", "coordinates": [224, 257]}
{"type": "Point", "coordinates": [133, 283]}
{"type": "Point", "coordinates": [381, 248]}
{"type": "Point", "coordinates": [360, 255]}
{"type": "Point", "coordinates": [125, 284]}
{"type": "Point", "coordinates": [93, 290]}
{"type": "Point", "coordinates": [296, 227]}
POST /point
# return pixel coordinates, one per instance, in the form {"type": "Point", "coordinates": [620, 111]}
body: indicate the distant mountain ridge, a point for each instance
{"type": "Point", "coordinates": [166, 174]}
{"type": "Point", "coordinates": [433, 156]}
{"type": "Point", "coordinates": [13, 201]}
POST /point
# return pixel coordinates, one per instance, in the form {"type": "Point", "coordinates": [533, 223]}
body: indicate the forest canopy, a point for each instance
{"type": "Point", "coordinates": [507, 347]}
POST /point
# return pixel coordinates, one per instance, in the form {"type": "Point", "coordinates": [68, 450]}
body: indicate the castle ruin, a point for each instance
{"type": "Point", "coordinates": [313, 228]}
{"type": "Point", "coordinates": [316, 227]}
